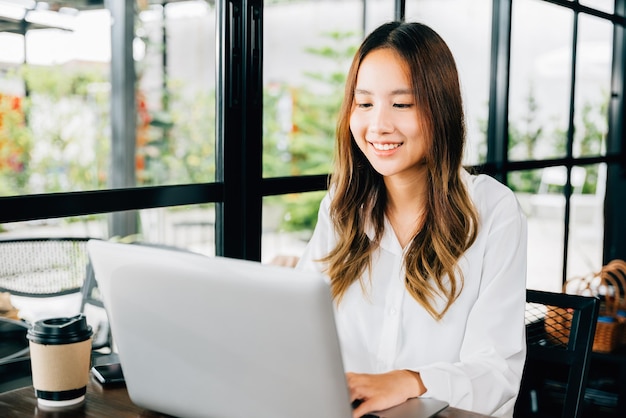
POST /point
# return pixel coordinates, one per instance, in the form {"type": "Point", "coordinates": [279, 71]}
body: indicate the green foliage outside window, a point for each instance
{"type": "Point", "coordinates": [179, 143]}
{"type": "Point", "coordinates": [58, 138]}
{"type": "Point", "coordinates": [527, 133]}
{"type": "Point", "coordinates": [302, 141]}
{"type": "Point", "coordinates": [15, 145]}
{"type": "Point", "coordinates": [59, 128]}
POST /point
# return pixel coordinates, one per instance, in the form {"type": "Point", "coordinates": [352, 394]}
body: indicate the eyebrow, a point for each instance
{"type": "Point", "coordinates": [393, 92]}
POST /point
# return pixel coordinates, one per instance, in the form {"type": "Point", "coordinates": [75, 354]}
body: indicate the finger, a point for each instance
{"type": "Point", "coordinates": [358, 412]}
{"type": "Point", "coordinates": [364, 408]}
{"type": "Point", "coordinates": [353, 385]}
{"type": "Point", "coordinates": [356, 393]}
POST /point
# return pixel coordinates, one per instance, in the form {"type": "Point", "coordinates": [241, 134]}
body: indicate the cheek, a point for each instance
{"type": "Point", "coordinates": [356, 126]}
{"type": "Point", "coordinates": [358, 134]}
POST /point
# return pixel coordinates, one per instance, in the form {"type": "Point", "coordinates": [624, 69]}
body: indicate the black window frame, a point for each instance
{"type": "Point", "coordinates": [239, 188]}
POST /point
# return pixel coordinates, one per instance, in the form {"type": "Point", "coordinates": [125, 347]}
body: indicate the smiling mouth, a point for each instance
{"type": "Point", "coordinates": [385, 147]}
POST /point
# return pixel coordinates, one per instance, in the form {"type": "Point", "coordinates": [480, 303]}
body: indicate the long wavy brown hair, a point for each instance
{"type": "Point", "coordinates": [450, 222]}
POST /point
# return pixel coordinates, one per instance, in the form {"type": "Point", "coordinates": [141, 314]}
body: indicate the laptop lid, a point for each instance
{"type": "Point", "coordinates": [220, 337]}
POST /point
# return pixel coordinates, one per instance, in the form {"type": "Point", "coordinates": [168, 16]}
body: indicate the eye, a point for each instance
{"type": "Point", "coordinates": [403, 105]}
{"type": "Point", "coordinates": [363, 105]}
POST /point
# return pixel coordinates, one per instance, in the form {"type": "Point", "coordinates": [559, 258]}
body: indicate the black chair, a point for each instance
{"type": "Point", "coordinates": [43, 267]}
{"type": "Point", "coordinates": [38, 268]}
{"type": "Point", "coordinates": [560, 330]}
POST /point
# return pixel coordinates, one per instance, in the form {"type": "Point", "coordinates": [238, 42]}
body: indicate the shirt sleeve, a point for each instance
{"type": "Point", "coordinates": [488, 374]}
{"type": "Point", "coordinates": [320, 243]}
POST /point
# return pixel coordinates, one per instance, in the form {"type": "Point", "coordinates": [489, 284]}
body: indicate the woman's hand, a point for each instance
{"type": "Point", "coordinates": [382, 391]}
{"type": "Point", "coordinates": [285, 260]}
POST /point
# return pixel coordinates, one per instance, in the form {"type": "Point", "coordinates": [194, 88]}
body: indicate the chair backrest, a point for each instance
{"type": "Point", "coordinates": [560, 330]}
{"type": "Point", "coordinates": [50, 267]}
{"type": "Point", "coordinates": [43, 267]}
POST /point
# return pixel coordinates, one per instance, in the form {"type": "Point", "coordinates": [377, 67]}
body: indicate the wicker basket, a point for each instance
{"type": "Point", "coordinates": [610, 327]}
{"type": "Point", "coordinates": [617, 270]}
{"type": "Point", "coordinates": [557, 324]}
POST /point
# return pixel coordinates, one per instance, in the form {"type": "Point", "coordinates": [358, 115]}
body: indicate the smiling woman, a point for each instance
{"type": "Point", "coordinates": [412, 244]}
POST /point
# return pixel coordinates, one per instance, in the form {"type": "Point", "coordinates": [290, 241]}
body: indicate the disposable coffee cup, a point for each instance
{"type": "Point", "coordinates": [60, 355]}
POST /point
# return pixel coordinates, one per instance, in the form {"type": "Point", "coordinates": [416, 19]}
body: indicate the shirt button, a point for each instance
{"type": "Point", "coordinates": [393, 311]}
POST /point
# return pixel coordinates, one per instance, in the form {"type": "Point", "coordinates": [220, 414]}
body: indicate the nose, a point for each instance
{"type": "Point", "coordinates": [380, 121]}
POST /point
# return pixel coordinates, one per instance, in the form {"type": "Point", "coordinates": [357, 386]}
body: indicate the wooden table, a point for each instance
{"type": "Point", "coordinates": [112, 402]}
{"type": "Point", "coordinates": [100, 402]}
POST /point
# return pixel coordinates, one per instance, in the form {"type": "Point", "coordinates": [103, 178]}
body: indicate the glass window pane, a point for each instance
{"type": "Point", "coordinates": [90, 226]}
{"type": "Point", "coordinates": [539, 194]}
{"type": "Point", "coordinates": [12, 51]}
{"type": "Point", "coordinates": [304, 78]}
{"type": "Point", "coordinates": [186, 227]}
{"type": "Point", "coordinates": [540, 75]}
{"type": "Point", "coordinates": [58, 130]}
{"type": "Point", "coordinates": [176, 97]}
{"type": "Point", "coordinates": [65, 264]}
{"type": "Point", "coordinates": [288, 223]}
{"type": "Point", "coordinates": [587, 223]}
{"type": "Point", "coordinates": [593, 85]}
{"type": "Point", "coordinates": [607, 6]}
{"type": "Point", "coordinates": [466, 28]}
{"type": "Point", "coordinates": [377, 12]}
{"type": "Point", "coordinates": [190, 227]}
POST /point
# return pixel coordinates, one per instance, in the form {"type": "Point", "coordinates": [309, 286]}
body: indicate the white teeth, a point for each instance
{"type": "Point", "coordinates": [385, 147]}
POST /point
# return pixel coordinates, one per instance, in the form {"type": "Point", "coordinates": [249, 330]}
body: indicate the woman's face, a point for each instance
{"type": "Point", "coordinates": [384, 119]}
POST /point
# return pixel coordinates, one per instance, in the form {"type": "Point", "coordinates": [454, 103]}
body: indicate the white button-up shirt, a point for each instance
{"type": "Point", "coordinates": [474, 356]}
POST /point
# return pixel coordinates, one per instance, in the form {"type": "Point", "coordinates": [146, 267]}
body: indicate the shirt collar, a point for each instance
{"type": "Point", "coordinates": [389, 241]}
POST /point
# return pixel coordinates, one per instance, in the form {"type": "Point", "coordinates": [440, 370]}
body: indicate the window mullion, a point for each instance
{"type": "Point", "coordinates": [615, 199]}
{"type": "Point", "coordinates": [123, 112]}
{"type": "Point", "coordinates": [239, 128]}
{"type": "Point", "coordinates": [497, 131]}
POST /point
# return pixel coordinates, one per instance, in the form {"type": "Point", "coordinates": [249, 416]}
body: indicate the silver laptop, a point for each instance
{"type": "Point", "coordinates": [218, 337]}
